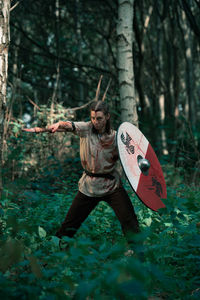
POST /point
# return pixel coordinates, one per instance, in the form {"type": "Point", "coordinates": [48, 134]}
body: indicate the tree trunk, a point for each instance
{"type": "Point", "coordinates": [162, 130]}
{"type": "Point", "coordinates": [140, 36]}
{"type": "Point", "coordinates": [78, 8]}
{"type": "Point", "coordinates": [14, 91]}
{"type": "Point", "coordinates": [125, 62]}
{"type": "Point", "coordinates": [190, 79]}
{"type": "Point", "coordinates": [4, 42]}
{"type": "Point", "coordinates": [57, 61]}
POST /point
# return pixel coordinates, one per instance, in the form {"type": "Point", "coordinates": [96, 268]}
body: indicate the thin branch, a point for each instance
{"type": "Point", "coordinates": [14, 6]}
{"type": "Point", "coordinates": [190, 17]}
{"type": "Point", "coordinates": [33, 103]}
{"type": "Point", "coordinates": [98, 88]}
{"type": "Point", "coordinates": [104, 96]}
{"type": "Point", "coordinates": [80, 107]}
{"type": "Point", "coordinates": [53, 56]}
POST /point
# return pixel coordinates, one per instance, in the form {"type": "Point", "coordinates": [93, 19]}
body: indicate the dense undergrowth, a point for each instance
{"type": "Point", "coordinates": [95, 264]}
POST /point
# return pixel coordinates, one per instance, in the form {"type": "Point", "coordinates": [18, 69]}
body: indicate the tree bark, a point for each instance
{"type": "Point", "coordinates": [140, 36]}
{"type": "Point", "coordinates": [57, 61]}
{"type": "Point", "coordinates": [78, 7]}
{"type": "Point", "coordinates": [125, 62]}
{"type": "Point", "coordinates": [190, 107]}
{"type": "Point", "coordinates": [4, 43]}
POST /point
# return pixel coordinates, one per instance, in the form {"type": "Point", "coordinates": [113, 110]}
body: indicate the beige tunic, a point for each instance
{"type": "Point", "coordinates": [98, 154]}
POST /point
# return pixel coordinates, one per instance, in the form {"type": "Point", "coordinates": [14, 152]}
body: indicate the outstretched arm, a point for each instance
{"type": "Point", "coordinates": [60, 126]}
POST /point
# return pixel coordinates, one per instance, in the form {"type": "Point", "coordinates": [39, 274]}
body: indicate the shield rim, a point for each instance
{"type": "Point", "coordinates": [125, 172]}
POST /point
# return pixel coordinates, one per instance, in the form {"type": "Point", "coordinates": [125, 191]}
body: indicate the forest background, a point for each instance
{"type": "Point", "coordinates": [57, 52]}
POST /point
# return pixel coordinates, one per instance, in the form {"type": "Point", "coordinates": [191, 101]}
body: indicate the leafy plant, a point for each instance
{"type": "Point", "coordinates": [95, 263]}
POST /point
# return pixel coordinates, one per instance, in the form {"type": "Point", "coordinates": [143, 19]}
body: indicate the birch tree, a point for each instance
{"type": "Point", "coordinates": [125, 61]}
{"type": "Point", "coordinates": [4, 42]}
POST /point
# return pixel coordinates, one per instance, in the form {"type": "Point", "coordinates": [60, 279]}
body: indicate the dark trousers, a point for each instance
{"type": "Point", "coordinates": [82, 206]}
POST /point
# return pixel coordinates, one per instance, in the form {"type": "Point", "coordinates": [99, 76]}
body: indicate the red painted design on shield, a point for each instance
{"type": "Point", "coordinates": [152, 188]}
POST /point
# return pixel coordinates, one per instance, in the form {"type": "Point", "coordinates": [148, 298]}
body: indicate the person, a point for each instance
{"type": "Point", "coordinates": [100, 180]}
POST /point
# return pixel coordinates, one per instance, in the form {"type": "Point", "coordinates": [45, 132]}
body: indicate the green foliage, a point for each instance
{"type": "Point", "coordinates": [26, 154]}
{"type": "Point", "coordinates": [165, 262]}
{"type": "Point", "coordinates": [73, 46]}
{"type": "Point", "coordinates": [95, 264]}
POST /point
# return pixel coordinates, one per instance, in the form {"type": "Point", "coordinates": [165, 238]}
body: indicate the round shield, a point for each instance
{"type": "Point", "coordinates": [141, 166]}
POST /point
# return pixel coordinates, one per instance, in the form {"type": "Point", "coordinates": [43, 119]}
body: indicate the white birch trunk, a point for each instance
{"type": "Point", "coordinates": [125, 62]}
{"type": "Point", "coordinates": [162, 119]}
{"type": "Point", "coordinates": [4, 42]}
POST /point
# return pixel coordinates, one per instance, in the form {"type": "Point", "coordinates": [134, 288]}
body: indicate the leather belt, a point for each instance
{"type": "Point", "coordinates": [104, 175]}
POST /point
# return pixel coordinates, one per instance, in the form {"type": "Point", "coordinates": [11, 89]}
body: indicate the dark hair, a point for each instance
{"type": "Point", "coordinates": [101, 106]}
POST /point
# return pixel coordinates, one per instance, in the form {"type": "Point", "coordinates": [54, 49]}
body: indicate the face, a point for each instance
{"type": "Point", "coordinates": [99, 120]}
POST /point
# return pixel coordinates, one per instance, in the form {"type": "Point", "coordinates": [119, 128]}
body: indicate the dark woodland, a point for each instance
{"type": "Point", "coordinates": [57, 52]}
